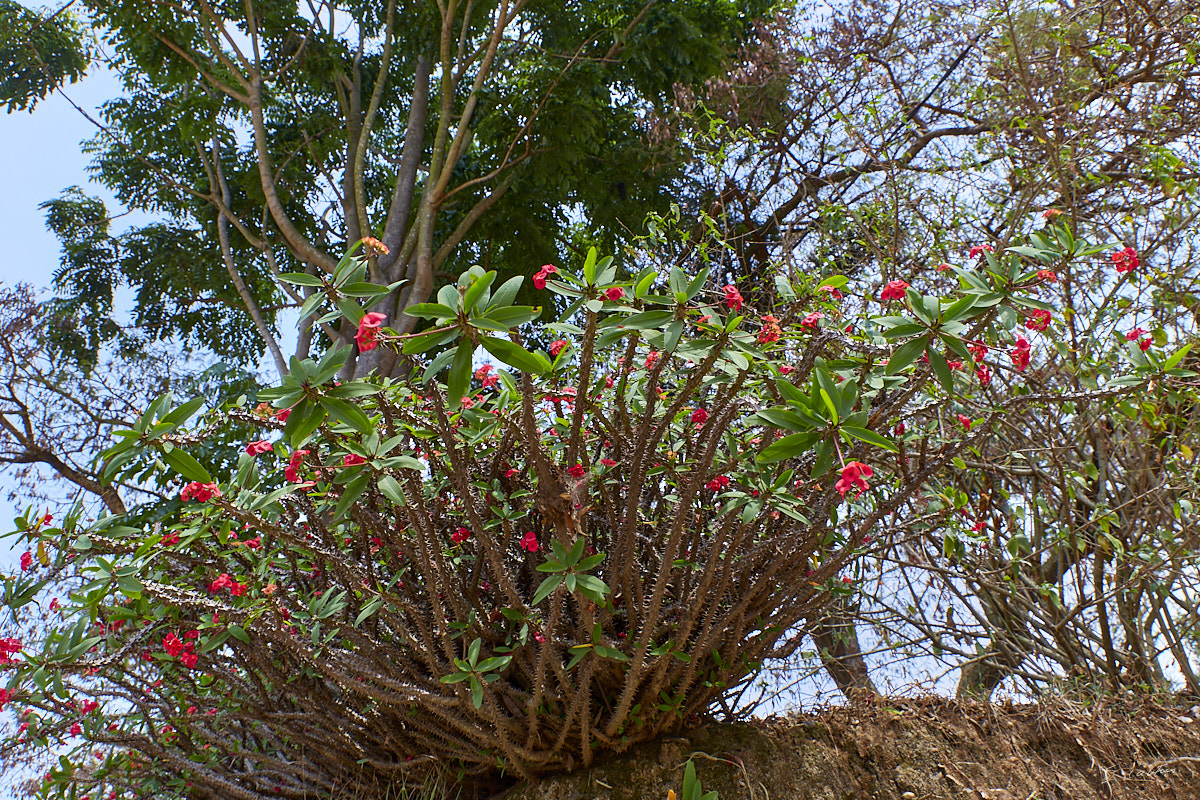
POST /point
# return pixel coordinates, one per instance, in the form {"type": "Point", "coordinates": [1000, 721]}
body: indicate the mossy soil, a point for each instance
{"type": "Point", "coordinates": [916, 750]}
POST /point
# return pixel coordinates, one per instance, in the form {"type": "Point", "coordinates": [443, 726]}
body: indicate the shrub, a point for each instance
{"type": "Point", "coordinates": [565, 550]}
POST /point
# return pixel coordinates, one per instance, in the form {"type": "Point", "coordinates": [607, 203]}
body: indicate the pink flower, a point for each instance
{"type": "Point", "coordinates": [1126, 260]}
{"type": "Point", "coordinates": [556, 347]}
{"type": "Point", "coordinates": [786, 369]}
{"type": "Point", "coordinates": [352, 460]}
{"type": "Point", "coordinates": [576, 471]}
{"type": "Point", "coordinates": [699, 416]}
{"type": "Point", "coordinates": [717, 484]}
{"type": "Point", "coordinates": [854, 476]}
{"type": "Point", "coordinates": [894, 290]}
{"type": "Point", "coordinates": [1047, 275]}
{"type": "Point", "coordinates": [1038, 320]}
{"type": "Point", "coordinates": [812, 319]}
{"type": "Point", "coordinates": [539, 280]}
{"type": "Point", "coordinates": [460, 536]}
{"type": "Point", "coordinates": [615, 293]}
{"type": "Point", "coordinates": [980, 248]}
{"type": "Point", "coordinates": [1051, 213]}
{"type": "Point", "coordinates": [258, 448]}
{"type": "Point", "coordinates": [368, 327]}
{"type": "Point", "coordinates": [1020, 354]}
{"type": "Point", "coordinates": [200, 492]}
{"type": "Point", "coordinates": [529, 542]}
{"type": "Point", "coordinates": [26, 561]}
{"type": "Point", "coordinates": [834, 294]}
{"type": "Point", "coordinates": [733, 298]}
{"type": "Point", "coordinates": [1134, 334]}
{"type": "Point", "coordinates": [944, 267]}
{"type": "Point", "coordinates": [964, 421]}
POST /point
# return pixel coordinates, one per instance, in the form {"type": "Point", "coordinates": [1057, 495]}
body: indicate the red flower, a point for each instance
{"type": "Point", "coordinates": [608, 462]}
{"type": "Point", "coordinates": [980, 248]}
{"type": "Point", "coordinates": [55, 605]}
{"type": "Point", "coordinates": [854, 476]}
{"type": "Point", "coordinates": [1126, 260]}
{"type": "Point", "coordinates": [1134, 334]}
{"type": "Point", "coordinates": [894, 290]}
{"type": "Point", "coordinates": [576, 471]}
{"type": "Point", "coordinates": [733, 298]}
{"type": "Point", "coordinates": [5, 696]}
{"type": "Point", "coordinates": [978, 350]}
{"type": "Point", "coordinates": [786, 369]}
{"type": "Point", "coordinates": [964, 421]}
{"type": "Point", "coordinates": [944, 267]}
{"type": "Point", "coordinates": [1020, 354]}
{"type": "Point", "coordinates": [770, 330]}
{"type": "Point", "coordinates": [294, 463]}
{"type": "Point", "coordinates": [460, 536]}
{"type": "Point", "coordinates": [539, 280]}
{"type": "Point", "coordinates": [833, 293]}
{"type": "Point", "coordinates": [189, 660]}
{"type": "Point", "coordinates": [1144, 344]}
{"type": "Point", "coordinates": [899, 429]}
{"type": "Point", "coordinates": [529, 542]}
{"type": "Point", "coordinates": [614, 294]}
{"type": "Point", "coordinates": [76, 729]}
{"type": "Point", "coordinates": [699, 416]}
{"type": "Point", "coordinates": [352, 460]}
{"type": "Point", "coordinates": [1047, 275]}
{"type": "Point", "coordinates": [1038, 320]}
{"type": "Point", "coordinates": [200, 492]}
{"type": "Point", "coordinates": [26, 561]}
{"type": "Point", "coordinates": [172, 644]}
{"type": "Point", "coordinates": [8, 648]}
{"type": "Point", "coordinates": [368, 327]}
{"type": "Point", "coordinates": [1051, 213]}
{"type": "Point", "coordinates": [488, 380]}
{"type": "Point", "coordinates": [238, 589]}
{"type": "Point", "coordinates": [952, 364]}
{"type": "Point", "coordinates": [811, 320]}
{"type": "Point", "coordinates": [651, 359]}
{"type": "Point", "coordinates": [717, 484]}
{"type": "Point", "coordinates": [258, 448]}
{"type": "Point", "coordinates": [556, 347]}
{"type": "Point", "coordinates": [223, 581]}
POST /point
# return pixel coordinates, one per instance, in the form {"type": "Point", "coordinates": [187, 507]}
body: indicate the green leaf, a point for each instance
{"type": "Point", "coordinates": [368, 610]}
{"type": "Point", "coordinates": [347, 413]}
{"type": "Point", "coordinates": [471, 298]}
{"type": "Point", "coordinates": [905, 354]}
{"type": "Point", "coordinates": [787, 447]}
{"type": "Point", "coordinates": [547, 586]}
{"type": "Point", "coordinates": [516, 356]}
{"type": "Point", "coordinates": [430, 311]}
{"type": "Point", "coordinates": [941, 369]}
{"type": "Point", "coordinates": [459, 378]}
{"type": "Point", "coordinates": [390, 488]}
{"type": "Point", "coordinates": [186, 466]}
{"type": "Point", "coordinates": [182, 413]}
{"type": "Point", "coordinates": [504, 296]}
{"type": "Point", "coordinates": [870, 437]}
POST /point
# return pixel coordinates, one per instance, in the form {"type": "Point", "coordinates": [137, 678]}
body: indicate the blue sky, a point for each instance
{"type": "Point", "coordinates": [40, 155]}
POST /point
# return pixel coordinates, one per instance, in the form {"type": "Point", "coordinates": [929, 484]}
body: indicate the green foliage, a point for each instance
{"type": "Point", "coordinates": [38, 53]}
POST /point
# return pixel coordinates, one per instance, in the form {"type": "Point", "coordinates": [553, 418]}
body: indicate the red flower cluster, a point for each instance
{"type": "Point", "coordinates": [733, 298]}
{"type": "Point", "coordinates": [811, 320]}
{"type": "Point", "coordinates": [980, 248]}
{"type": "Point", "coordinates": [834, 294]}
{"type": "Point", "coordinates": [294, 463]}
{"type": "Point", "coordinates": [200, 492]}
{"type": "Point", "coordinates": [223, 581]}
{"type": "Point", "coordinates": [26, 561]}
{"type": "Point", "coordinates": [614, 294]}
{"type": "Point", "coordinates": [576, 471]}
{"type": "Point", "coordinates": [488, 380]}
{"type": "Point", "coordinates": [965, 421]}
{"type": "Point", "coordinates": [651, 359]}
{"type": "Point", "coordinates": [529, 542]}
{"type": "Point", "coordinates": [1038, 320]}
{"type": "Point", "coordinates": [854, 476]}
{"type": "Point", "coordinates": [556, 347]}
{"type": "Point", "coordinates": [699, 416]}
{"type": "Point", "coordinates": [539, 280]}
{"type": "Point", "coordinates": [608, 462]}
{"type": "Point", "coordinates": [1126, 260]}
{"type": "Point", "coordinates": [460, 536]}
{"type": "Point", "coordinates": [1047, 275]}
{"type": "Point", "coordinates": [368, 327]}
{"type": "Point", "coordinates": [894, 290]}
{"type": "Point", "coordinates": [984, 374]}
{"type": "Point", "coordinates": [255, 449]}
{"type": "Point", "coordinates": [8, 648]}
{"type": "Point", "coordinates": [718, 483]}
{"type": "Point", "coordinates": [352, 460]}
{"type": "Point", "coordinates": [770, 330]}
{"type": "Point", "coordinates": [1020, 354]}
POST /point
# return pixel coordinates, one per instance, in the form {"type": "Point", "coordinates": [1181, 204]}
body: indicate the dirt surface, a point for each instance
{"type": "Point", "coordinates": [915, 750]}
